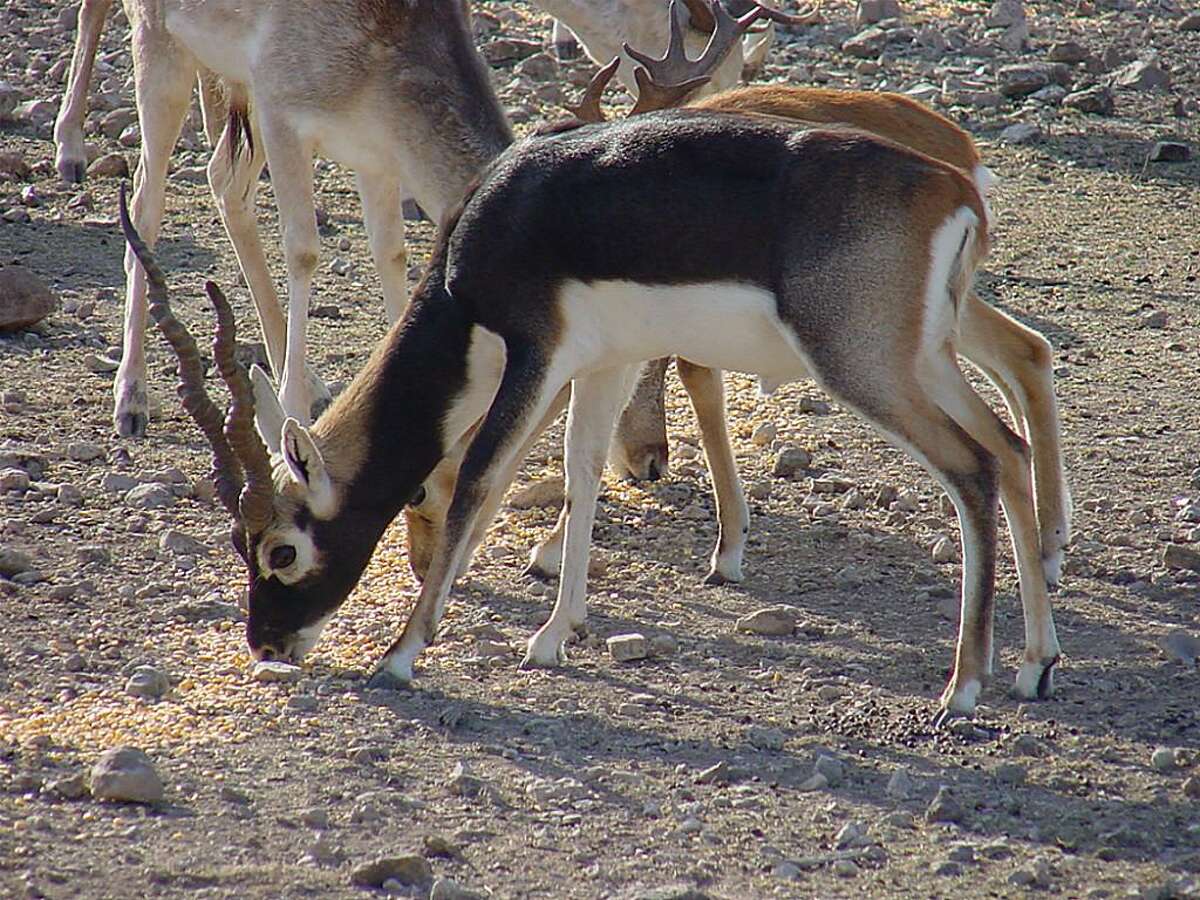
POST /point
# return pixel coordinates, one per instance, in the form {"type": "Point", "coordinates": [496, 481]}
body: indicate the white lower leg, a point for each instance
{"type": "Point", "coordinates": [596, 399]}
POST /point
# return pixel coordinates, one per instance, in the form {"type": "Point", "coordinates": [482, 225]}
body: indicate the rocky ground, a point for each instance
{"type": "Point", "coordinates": [728, 764]}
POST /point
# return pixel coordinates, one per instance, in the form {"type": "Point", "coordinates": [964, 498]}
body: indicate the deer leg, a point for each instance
{"type": "Point", "coordinates": [566, 47]}
{"type": "Point", "coordinates": [425, 521]}
{"type": "Point", "coordinates": [1020, 362]}
{"type": "Point", "coordinates": [292, 178]}
{"type": "Point", "coordinates": [707, 393]}
{"type": "Point", "coordinates": [233, 178]}
{"type": "Point", "coordinates": [163, 79]}
{"type": "Point", "coordinates": [70, 156]}
{"type": "Point", "coordinates": [595, 400]}
{"type": "Point", "coordinates": [1035, 677]}
{"type": "Point", "coordinates": [214, 108]}
{"type": "Point", "coordinates": [640, 451]}
{"type": "Point", "coordinates": [385, 230]}
{"type": "Point", "coordinates": [526, 391]}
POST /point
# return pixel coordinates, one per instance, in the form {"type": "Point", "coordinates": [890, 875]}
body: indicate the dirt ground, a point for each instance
{"type": "Point", "coordinates": [597, 780]}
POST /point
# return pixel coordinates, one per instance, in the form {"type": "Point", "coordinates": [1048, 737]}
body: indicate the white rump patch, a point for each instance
{"type": "Point", "coordinates": [985, 179]}
{"type": "Point", "coordinates": [949, 241]}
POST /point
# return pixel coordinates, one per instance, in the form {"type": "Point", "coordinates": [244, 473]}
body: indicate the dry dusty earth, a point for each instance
{"type": "Point", "coordinates": [597, 780]}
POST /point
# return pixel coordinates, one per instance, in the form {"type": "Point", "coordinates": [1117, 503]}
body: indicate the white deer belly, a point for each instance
{"type": "Point", "coordinates": [722, 325]}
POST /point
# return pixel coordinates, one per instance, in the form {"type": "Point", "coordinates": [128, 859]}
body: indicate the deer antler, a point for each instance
{"type": "Point", "coordinates": [588, 109]}
{"type": "Point", "coordinates": [226, 468]}
{"type": "Point", "coordinates": [255, 503]}
{"type": "Point", "coordinates": [674, 69]}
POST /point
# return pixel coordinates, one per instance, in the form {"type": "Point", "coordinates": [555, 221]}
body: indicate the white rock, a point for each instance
{"type": "Point", "coordinates": [628, 647]}
{"type": "Point", "coordinates": [273, 670]}
{"type": "Point", "coordinates": [773, 620]}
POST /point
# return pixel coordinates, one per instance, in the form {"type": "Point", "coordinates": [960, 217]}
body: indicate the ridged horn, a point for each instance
{"type": "Point", "coordinates": [256, 501]}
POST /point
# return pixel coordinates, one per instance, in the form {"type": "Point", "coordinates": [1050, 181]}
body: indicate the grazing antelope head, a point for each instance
{"type": "Point", "coordinates": [309, 506]}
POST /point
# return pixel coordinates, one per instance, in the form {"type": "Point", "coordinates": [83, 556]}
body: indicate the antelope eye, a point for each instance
{"type": "Point", "coordinates": [282, 556]}
{"type": "Point", "coordinates": [418, 497]}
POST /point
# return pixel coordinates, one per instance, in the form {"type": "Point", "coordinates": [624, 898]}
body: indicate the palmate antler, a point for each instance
{"type": "Point", "coordinates": [669, 81]}
{"type": "Point", "coordinates": [236, 447]}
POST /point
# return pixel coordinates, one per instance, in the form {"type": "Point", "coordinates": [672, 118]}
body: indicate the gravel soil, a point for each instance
{"type": "Point", "coordinates": [693, 773]}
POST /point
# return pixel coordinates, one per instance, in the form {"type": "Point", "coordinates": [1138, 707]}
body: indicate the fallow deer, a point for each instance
{"type": "Point", "coordinates": [844, 258]}
{"type": "Point", "coordinates": [603, 26]}
{"type": "Point", "coordinates": [394, 89]}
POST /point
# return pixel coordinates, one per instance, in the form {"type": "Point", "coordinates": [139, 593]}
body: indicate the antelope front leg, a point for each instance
{"type": "Point", "coordinates": [525, 394]}
{"type": "Point", "coordinates": [163, 79]}
{"type": "Point", "coordinates": [707, 393]}
{"type": "Point", "coordinates": [70, 155]}
{"type": "Point", "coordinates": [595, 400]}
{"type": "Point", "coordinates": [292, 177]}
{"type": "Point", "coordinates": [385, 230]}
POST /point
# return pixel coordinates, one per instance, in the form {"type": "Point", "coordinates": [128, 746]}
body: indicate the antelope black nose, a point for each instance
{"type": "Point", "coordinates": [653, 472]}
{"type": "Point", "coordinates": [267, 652]}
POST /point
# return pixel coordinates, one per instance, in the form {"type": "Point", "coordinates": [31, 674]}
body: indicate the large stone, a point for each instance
{"type": "Point", "coordinates": [150, 496]}
{"type": "Point", "coordinates": [1069, 52]}
{"type": "Point", "coordinates": [548, 493]}
{"type": "Point", "coordinates": [774, 621]}
{"type": "Point", "coordinates": [408, 870]}
{"type": "Point", "coordinates": [110, 165]}
{"type": "Point", "coordinates": [1142, 75]}
{"type": "Point", "coordinates": [13, 562]}
{"type": "Point", "coordinates": [504, 50]}
{"type": "Point", "coordinates": [126, 775]}
{"type": "Point", "coordinates": [867, 44]}
{"type": "Point", "coordinates": [1176, 556]}
{"type": "Point", "coordinates": [871, 11]}
{"type": "Point", "coordinates": [24, 299]}
{"type": "Point", "coordinates": [274, 670]}
{"type": "Point", "coordinates": [148, 682]}
{"type": "Point", "coordinates": [1005, 13]}
{"type": "Point", "coordinates": [13, 165]}
{"type": "Point", "coordinates": [628, 647]}
{"type": "Point", "coordinates": [1097, 100]}
{"type": "Point", "coordinates": [1025, 78]}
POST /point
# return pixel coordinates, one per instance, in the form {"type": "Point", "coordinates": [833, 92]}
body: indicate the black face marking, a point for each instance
{"type": "Point", "coordinates": [417, 498]}
{"type": "Point", "coordinates": [413, 377]}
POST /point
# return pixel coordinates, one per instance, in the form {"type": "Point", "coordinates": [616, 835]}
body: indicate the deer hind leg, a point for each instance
{"type": "Point", "coordinates": [639, 452]}
{"type": "Point", "coordinates": [595, 400]}
{"type": "Point", "coordinates": [290, 160]}
{"type": "Point", "coordinates": [163, 78]}
{"type": "Point", "coordinates": [70, 156]}
{"type": "Point", "coordinates": [1020, 362]}
{"type": "Point", "coordinates": [527, 389]}
{"type": "Point", "coordinates": [1035, 676]}
{"type": "Point", "coordinates": [707, 393]}
{"type": "Point", "coordinates": [214, 106]}
{"type": "Point", "coordinates": [385, 230]}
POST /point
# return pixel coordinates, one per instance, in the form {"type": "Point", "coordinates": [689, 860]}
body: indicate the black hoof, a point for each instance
{"type": "Point", "coordinates": [535, 571]}
{"type": "Point", "coordinates": [131, 425]}
{"type": "Point", "coordinates": [715, 578]}
{"type": "Point", "coordinates": [318, 407]}
{"type": "Point", "coordinates": [384, 680]}
{"type": "Point", "coordinates": [1045, 682]}
{"type": "Point", "coordinates": [72, 171]}
{"type": "Point", "coordinates": [944, 717]}
{"type": "Point", "coordinates": [412, 212]}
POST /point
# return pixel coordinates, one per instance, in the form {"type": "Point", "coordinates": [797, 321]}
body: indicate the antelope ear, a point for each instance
{"type": "Point", "coordinates": [268, 413]}
{"type": "Point", "coordinates": [307, 467]}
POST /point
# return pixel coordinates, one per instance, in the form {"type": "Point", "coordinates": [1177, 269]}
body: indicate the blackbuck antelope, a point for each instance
{"type": "Point", "coordinates": [394, 89]}
{"type": "Point", "coordinates": [841, 257]}
{"type": "Point", "coordinates": [1015, 358]}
